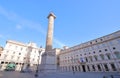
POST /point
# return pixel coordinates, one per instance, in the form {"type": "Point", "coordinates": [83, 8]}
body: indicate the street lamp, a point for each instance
{"type": "Point", "coordinates": [36, 73]}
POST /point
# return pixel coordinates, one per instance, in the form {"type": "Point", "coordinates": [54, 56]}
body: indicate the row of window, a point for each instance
{"type": "Point", "coordinates": [107, 56]}
{"type": "Point", "coordinates": [100, 40]}
{"type": "Point", "coordinates": [21, 48]}
{"type": "Point", "coordinates": [93, 52]}
{"type": "Point", "coordinates": [16, 47]}
{"type": "Point", "coordinates": [18, 58]}
{"type": "Point", "coordinates": [16, 52]}
{"type": "Point", "coordinates": [96, 41]}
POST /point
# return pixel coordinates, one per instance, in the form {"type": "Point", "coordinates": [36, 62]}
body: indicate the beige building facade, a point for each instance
{"type": "Point", "coordinates": [98, 55]}
{"type": "Point", "coordinates": [21, 54]}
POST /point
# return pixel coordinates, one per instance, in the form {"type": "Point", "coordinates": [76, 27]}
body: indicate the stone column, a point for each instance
{"type": "Point", "coordinates": [49, 37]}
{"type": "Point", "coordinates": [81, 68]}
{"type": "Point", "coordinates": [86, 68]}
{"type": "Point", "coordinates": [109, 67]}
{"type": "Point", "coordinates": [48, 61]}
{"type": "Point", "coordinates": [96, 68]}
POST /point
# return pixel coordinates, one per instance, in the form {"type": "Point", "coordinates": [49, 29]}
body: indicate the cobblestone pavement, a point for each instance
{"type": "Point", "coordinates": [13, 74]}
{"type": "Point", "coordinates": [78, 75]}
{"type": "Point", "coordinates": [9, 74]}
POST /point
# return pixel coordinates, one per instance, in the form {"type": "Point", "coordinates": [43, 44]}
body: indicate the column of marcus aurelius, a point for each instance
{"type": "Point", "coordinates": [48, 62]}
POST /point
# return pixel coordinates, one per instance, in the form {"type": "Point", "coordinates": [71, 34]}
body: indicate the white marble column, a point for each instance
{"type": "Point", "coordinates": [49, 37]}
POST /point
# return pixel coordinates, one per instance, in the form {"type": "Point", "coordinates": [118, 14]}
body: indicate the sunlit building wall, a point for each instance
{"type": "Point", "coordinates": [98, 55]}
{"type": "Point", "coordinates": [20, 53]}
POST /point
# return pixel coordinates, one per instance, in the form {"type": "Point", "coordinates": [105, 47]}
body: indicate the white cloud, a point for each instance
{"type": "Point", "coordinates": [1, 36]}
{"type": "Point", "coordinates": [4, 36]}
{"type": "Point", "coordinates": [22, 21]}
{"type": "Point", "coordinates": [25, 23]}
{"type": "Point", "coordinates": [18, 27]}
{"type": "Point", "coordinates": [59, 42]}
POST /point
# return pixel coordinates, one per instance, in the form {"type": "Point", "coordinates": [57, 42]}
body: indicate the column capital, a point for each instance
{"type": "Point", "coordinates": [51, 14]}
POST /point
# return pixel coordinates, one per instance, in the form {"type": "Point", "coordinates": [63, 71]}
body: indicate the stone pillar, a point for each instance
{"type": "Point", "coordinates": [81, 68]}
{"type": "Point", "coordinates": [109, 67]}
{"type": "Point", "coordinates": [86, 68]}
{"type": "Point", "coordinates": [49, 37]}
{"type": "Point", "coordinates": [48, 61]}
{"type": "Point", "coordinates": [102, 67]}
{"type": "Point", "coordinates": [90, 66]}
{"type": "Point", "coordinates": [96, 68]}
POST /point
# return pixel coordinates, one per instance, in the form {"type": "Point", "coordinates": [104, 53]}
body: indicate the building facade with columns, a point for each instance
{"type": "Point", "coordinates": [98, 55]}
{"type": "Point", "coordinates": [21, 54]}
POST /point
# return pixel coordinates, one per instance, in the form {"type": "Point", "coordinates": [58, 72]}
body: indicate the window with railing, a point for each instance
{"type": "Point", "coordinates": [108, 56]}
{"type": "Point", "coordinates": [117, 54]}
{"type": "Point", "coordinates": [102, 56]}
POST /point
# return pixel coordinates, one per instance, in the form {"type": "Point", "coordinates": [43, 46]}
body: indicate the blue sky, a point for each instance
{"type": "Point", "coordinates": [77, 21]}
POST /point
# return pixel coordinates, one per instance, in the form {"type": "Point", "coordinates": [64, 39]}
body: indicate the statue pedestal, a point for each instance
{"type": "Point", "coordinates": [48, 63]}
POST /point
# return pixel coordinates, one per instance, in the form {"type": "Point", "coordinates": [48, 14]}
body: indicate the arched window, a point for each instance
{"type": "Point", "coordinates": [117, 54]}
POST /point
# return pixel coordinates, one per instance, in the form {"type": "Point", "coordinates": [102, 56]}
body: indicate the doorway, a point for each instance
{"type": "Point", "coordinates": [83, 67]}
{"type": "Point", "coordinates": [113, 67]}
{"type": "Point", "coordinates": [106, 67]}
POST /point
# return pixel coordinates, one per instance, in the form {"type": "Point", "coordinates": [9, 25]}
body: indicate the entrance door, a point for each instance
{"type": "Point", "coordinates": [72, 68]}
{"type": "Point", "coordinates": [83, 67]}
{"type": "Point", "coordinates": [99, 68]}
{"type": "Point", "coordinates": [106, 67]}
{"type": "Point", "coordinates": [113, 67]}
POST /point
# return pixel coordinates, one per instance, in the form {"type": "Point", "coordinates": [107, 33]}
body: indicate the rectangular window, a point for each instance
{"type": "Point", "coordinates": [16, 47]}
{"type": "Point", "coordinates": [118, 41]}
{"type": "Point", "coordinates": [110, 43]}
{"type": "Point", "coordinates": [19, 53]}
{"type": "Point", "coordinates": [12, 57]}
{"type": "Point", "coordinates": [91, 59]}
{"type": "Point", "coordinates": [24, 58]}
{"type": "Point", "coordinates": [90, 42]}
{"type": "Point", "coordinates": [21, 49]}
{"type": "Point", "coordinates": [102, 56]}
{"type": "Point", "coordinates": [117, 54]}
{"type": "Point", "coordinates": [13, 52]}
{"type": "Point", "coordinates": [103, 45]}
{"type": "Point", "coordinates": [18, 58]}
{"type": "Point", "coordinates": [108, 56]}
{"type": "Point", "coordinates": [5, 56]}
{"type": "Point", "coordinates": [9, 46]}
{"type": "Point", "coordinates": [96, 58]}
